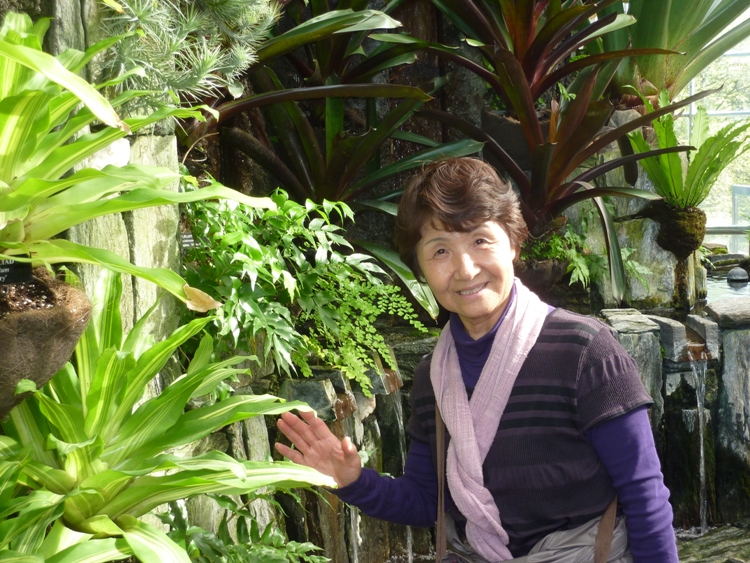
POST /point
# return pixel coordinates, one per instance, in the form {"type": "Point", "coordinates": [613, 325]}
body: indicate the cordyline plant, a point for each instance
{"type": "Point", "coordinates": [527, 48]}
{"type": "Point", "coordinates": [83, 458]}
{"type": "Point", "coordinates": [42, 139]}
{"type": "Point", "coordinates": [698, 30]}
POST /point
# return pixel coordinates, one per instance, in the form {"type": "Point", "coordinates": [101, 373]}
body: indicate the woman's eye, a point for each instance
{"type": "Point", "coordinates": [439, 251]}
{"type": "Point", "coordinates": [480, 241]}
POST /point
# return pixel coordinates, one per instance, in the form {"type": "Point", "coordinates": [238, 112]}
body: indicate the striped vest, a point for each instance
{"type": "Point", "coordinates": [541, 470]}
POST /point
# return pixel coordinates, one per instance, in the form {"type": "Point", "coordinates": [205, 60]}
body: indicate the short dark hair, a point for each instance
{"type": "Point", "coordinates": [458, 194]}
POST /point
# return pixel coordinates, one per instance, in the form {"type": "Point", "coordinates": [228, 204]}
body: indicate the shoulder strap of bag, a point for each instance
{"type": "Point", "coordinates": [441, 540]}
{"type": "Point", "coordinates": [603, 541]}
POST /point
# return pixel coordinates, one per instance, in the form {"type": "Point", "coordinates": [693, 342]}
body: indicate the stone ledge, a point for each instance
{"type": "Point", "coordinates": [673, 337]}
{"type": "Point", "coordinates": [629, 321]}
{"type": "Point", "coordinates": [731, 312]}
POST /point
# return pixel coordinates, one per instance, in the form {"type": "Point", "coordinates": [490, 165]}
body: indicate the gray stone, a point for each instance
{"type": "Point", "coordinates": [730, 313]}
{"type": "Point", "coordinates": [708, 331]}
{"type": "Point", "coordinates": [629, 321]}
{"type": "Point", "coordinates": [723, 260]}
{"type": "Point", "coordinates": [737, 275]}
{"type": "Point", "coordinates": [640, 338]}
{"type": "Point", "coordinates": [383, 380]}
{"type": "Point", "coordinates": [31, 7]}
{"type": "Point", "coordinates": [153, 238]}
{"type": "Point", "coordinates": [673, 337]}
{"type": "Point", "coordinates": [107, 232]}
{"type": "Point", "coordinates": [410, 351]}
{"type": "Point", "coordinates": [734, 410]}
{"type": "Point", "coordinates": [714, 246]}
{"type": "Point", "coordinates": [318, 393]}
{"type": "Point", "coordinates": [66, 29]}
{"type": "Point", "coordinates": [671, 383]}
{"type": "Point", "coordinates": [701, 279]}
{"type": "Point", "coordinates": [365, 405]}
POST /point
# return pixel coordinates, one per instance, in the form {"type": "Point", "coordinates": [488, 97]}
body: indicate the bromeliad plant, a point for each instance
{"type": "Point", "coordinates": [527, 48]}
{"type": "Point", "coordinates": [84, 457]}
{"type": "Point", "coordinates": [290, 276]}
{"type": "Point", "coordinates": [42, 140]}
{"type": "Point", "coordinates": [336, 69]}
{"type": "Point", "coordinates": [697, 30]}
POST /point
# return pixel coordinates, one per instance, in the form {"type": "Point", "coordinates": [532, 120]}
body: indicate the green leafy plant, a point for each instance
{"type": "Point", "coordinates": [84, 457]}
{"type": "Point", "coordinates": [290, 276]}
{"type": "Point", "coordinates": [194, 49]}
{"type": "Point", "coordinates": [687, 187]}
{"type": "Point", "coordinates": [252, 545]}
{"type": "Point", "coordinates": [699, 31]}
{"type": "Point", "coordinates": [42, 138]}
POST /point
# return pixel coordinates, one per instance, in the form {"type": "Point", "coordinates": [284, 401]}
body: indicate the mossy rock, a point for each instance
{"type": "Point", "coordinates": [681, 231]}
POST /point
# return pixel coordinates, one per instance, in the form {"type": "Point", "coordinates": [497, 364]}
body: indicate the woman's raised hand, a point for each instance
{"type": "Point", "coordinates": [317, 447]}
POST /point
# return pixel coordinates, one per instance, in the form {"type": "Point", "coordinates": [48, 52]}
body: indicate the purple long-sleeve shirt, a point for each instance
{"type": "Point", "coordinates": [624, 444]}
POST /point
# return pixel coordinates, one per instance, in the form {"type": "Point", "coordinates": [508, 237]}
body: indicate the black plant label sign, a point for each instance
{"type": "Point", "coordinates": [15, 272]}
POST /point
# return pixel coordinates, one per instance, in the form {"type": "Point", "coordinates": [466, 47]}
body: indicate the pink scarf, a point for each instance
{"type": "Point", "coordinates": [473, 425]}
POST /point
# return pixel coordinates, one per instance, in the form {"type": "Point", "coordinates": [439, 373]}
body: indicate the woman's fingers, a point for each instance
{"type": "Point", "coordinates": [317, 447]}
{"type": "Point", "coordinates": [290, 454]}
{"type": "Point", "coordinates": [297, 431]}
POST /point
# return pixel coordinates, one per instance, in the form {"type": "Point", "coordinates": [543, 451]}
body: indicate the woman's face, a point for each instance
{"type": "Point", "coordinates": [471, 274]}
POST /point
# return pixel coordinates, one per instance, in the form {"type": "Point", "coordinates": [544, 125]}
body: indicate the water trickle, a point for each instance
{"type": "Point", "coordinates": [355, 537]}
{"type": "Point", "coordinates": [698, 363]}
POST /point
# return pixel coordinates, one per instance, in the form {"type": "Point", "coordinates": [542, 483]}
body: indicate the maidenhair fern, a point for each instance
{"type": "Point", "coordinates": [293, 286]}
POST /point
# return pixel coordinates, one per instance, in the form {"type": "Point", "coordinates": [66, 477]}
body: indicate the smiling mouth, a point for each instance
{"type": "Point", "coordinates": [473, 290]}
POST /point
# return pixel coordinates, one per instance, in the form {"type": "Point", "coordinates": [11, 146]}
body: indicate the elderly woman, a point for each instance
{"type": "Point", "coordinates": [545, 412]}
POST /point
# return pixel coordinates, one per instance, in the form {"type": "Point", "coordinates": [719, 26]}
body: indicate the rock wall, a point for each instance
{"type": "Point", "coordinates": [732, 410]}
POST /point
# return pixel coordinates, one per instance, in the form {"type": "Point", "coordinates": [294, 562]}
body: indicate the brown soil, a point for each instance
{"type": "Point", "coordinates": [27, 296]}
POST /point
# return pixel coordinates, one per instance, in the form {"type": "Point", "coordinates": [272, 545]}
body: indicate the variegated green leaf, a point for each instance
{"type": "Point", "coordinates": [59, 538]}
{"type": "Point", "coordinates": [196, 424]}
{"type": "Point", "coordinates": [202, 355]}
{"type": "Point", "coordinates": [106, 392]}
{"type": "Point", "coordinates": [68, 419]}
{"type": "Point", "coordinates": [54, 480]}
{"type": "Point", "coordinates": [81, 505]}
{"type": "Point", "coordinates": [24, 120]}
{"type": "Point", "coordinates": [149, 492]}
{"type": "Point", "coordinates": [36, 511]}
{"type": "Point", "coordinates": [108, 482]}
{"type": "Point", "coordinates": [19, 29]}
{"type": "Point", "coordinates": [149, 364]}
{"type": "Point", "coordinates": [31, 429]}
{"type": "Point", "coordinates": [61, 251]}
{"type": "Point", "coordinates": [149, 544]}
{"type": "Point", "coordinates": [16, 557]}
{"type": "Point", "coordinates": [94, 551]}
{"type": "Point", "coordinates": [54, 71]}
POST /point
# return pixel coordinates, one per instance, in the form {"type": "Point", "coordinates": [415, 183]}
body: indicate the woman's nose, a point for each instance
{"type": "Point", "coordinates": [466, 268]}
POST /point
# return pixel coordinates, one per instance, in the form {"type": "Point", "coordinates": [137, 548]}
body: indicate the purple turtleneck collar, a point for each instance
{"type": "Point", "coordinates": [472, 354]}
